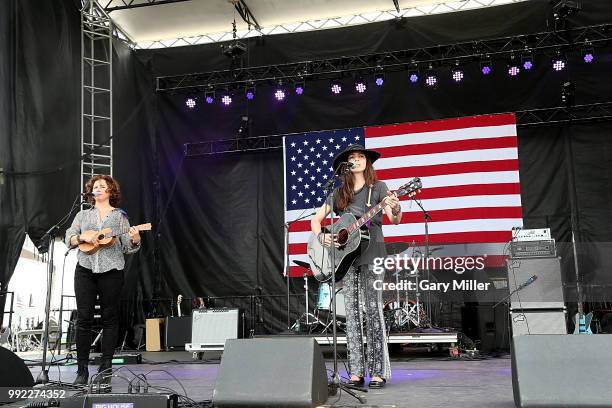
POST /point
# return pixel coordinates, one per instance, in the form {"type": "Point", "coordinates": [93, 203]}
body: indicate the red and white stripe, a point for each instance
{"type": "Point", "coordinates": [471, 188]}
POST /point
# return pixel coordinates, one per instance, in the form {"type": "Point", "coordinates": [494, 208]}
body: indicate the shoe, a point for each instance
{"type": "Point", "coordinates": [377, 384]}
{"type": "Point", "coordinates": [358, 383]}
{"type": "Point", "coordinates": [82, 377]}
{"type": "Point", "coordinates": [104, 371]}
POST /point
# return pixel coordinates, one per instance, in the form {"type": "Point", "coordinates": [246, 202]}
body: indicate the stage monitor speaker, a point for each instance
{"type": "Point", "coordinates": [271, 372]}
{"type": "Point", "coordinates": [546, 292]}
{"type": "Point", "coordinates": [177, 332]}
{"type": "Point", "coordinates": [571, 370]}
{"type": "Point", "coordinates": [13, 372]}
{"type": "Point", "coordinates": [211, 327]}
{"type": "Point", "coordinates": [538, 322]}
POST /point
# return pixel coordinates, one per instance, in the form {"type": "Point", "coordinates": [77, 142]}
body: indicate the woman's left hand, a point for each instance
{"type": "Point", "coordinates": [392, 201]}
{"type": "Point", "coordinates": [134, 235]}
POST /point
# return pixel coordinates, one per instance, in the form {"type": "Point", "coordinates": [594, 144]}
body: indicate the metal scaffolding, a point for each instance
{"type": "Point", "coordinates": [96, 91]}
{"type": "Point", "coordinates": [594, 112]}
{"type": "Point", "coordinates": [543, 43]}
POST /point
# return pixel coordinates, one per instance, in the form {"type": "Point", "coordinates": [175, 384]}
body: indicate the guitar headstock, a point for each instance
{"type": "Point", "coordinates": [411, 188]}
{"type": "Point", "coordinates": [179, 299]}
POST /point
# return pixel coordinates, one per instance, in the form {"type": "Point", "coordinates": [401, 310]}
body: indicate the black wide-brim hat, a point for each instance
{"type": "Point", "coordinates": [373, 155]}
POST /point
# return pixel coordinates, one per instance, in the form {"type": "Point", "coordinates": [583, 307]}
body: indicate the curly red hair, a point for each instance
{"type": "Point", "coordinates": [114, 189]}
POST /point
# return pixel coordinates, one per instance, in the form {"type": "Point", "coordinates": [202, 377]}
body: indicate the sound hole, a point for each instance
{"type": "Point", "coordinates": [343, 236]}
{"type": "Point", "coordinates": [101, 237]}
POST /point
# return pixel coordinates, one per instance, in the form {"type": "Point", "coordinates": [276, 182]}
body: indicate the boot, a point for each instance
{"type": "Point", "coordinates": [104, 371]}
{"type": "Point", "coordinates": [82, 377]}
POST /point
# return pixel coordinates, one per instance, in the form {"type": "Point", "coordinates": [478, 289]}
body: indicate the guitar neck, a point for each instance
{"type": "Point", "coordinates": [141, 227]}
{"type": "Point", "coordinates": [371, 213]}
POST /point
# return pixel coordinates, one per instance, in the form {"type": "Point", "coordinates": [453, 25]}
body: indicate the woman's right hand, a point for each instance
{"type": "Point", "coordinates": [90, 237]}
{"type": "Point", "coordinates": [326, 240]}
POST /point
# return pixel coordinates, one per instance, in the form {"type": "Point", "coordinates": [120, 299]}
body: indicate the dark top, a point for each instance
{"type": "Point", "coordinates": [375, 247]}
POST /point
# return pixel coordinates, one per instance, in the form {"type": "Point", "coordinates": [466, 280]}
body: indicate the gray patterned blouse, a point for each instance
{"type": "Point", "coordinates": [106, 258]}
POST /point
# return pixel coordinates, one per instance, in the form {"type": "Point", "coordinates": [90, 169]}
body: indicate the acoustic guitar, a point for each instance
{"type": "Point", "coordinates": [106, 238]}
{"type": "Point", "coordinates": [347, 232]}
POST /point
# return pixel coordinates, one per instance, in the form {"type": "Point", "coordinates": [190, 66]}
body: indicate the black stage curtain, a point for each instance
{"type": "Point", "coordinates": [222, 233]}
{"type": "Point", "coordinates": [219, 219]}
{"type": "Point", "coordinates": [40, 132]}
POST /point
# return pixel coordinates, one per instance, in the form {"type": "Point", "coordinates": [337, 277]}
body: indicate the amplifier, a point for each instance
{"type": "Point", "coordinates": [211, 327]}
{"type": "Point", "coordinates": [533, 249]}
{"type": "Point", "coordinates": [522, 234]}
{"type": "Point", "coordinates": [121, 400]}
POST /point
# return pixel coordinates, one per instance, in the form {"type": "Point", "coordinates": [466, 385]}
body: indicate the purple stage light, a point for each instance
{"type": "Point", "coordinates": [431, 80]}
{"type": "Point", "coordinates": [528, 64]}
{"type": "Point", "coordinates": [486, 70]}
{"type": "Point", "coordinates": [361, 87]}
{"type": "Point", "coordinates": [250, 95]}
{"type": "Point", "coordinates": [514, 71]}
{"type": "Point", "coordinates": [336, 88]}
{"type": "Point", "coordinates": [380, 80]}
{"type": "Point", "coordinates": [588, 57]}
{"type": "Point", "coordinates": [210, 99]}
{"type": "Point", "coordinates": [558, 64]}
{"type": "Point", "coordinates": [191, 103]}
{"type": "Point", "coordinates": [280, 94]}
{"type": "Point", "coordinates": [226, 100]}
{"type": "Point", "coordinates": [414, 78]}
{"type": "Point", "coordinates": [299, 89]}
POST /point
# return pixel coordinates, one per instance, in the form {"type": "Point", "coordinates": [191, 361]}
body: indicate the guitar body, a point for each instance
{"type": "Point", "coordinates": [320, 257]}
{"type": "Point", "coordinates": [106, 238]}
{"type": "Point", "coordinates": [582, 323]}
{"type": "Point", "coordinates": [104, 241]}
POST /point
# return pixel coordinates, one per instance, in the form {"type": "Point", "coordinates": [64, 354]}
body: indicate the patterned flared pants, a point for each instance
{"type": "Point", "coordinates": [359, 289]}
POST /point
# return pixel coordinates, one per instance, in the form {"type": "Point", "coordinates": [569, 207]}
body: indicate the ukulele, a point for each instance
{"type": "Point", "coordinates": [106, 238]}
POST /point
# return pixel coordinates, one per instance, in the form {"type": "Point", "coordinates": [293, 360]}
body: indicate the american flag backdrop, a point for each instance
{"type": "Point", "coordinates": [468, 166]}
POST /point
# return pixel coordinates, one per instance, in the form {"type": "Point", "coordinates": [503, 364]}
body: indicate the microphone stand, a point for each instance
{"type": "Point", "coordinates": [520, 287]}
{"type": "Point", "coordinates": [426, 219]}
{"type": "Point", "coordinates": [287, 265]}
{"type": "Point", "coordinates": [335, 381]}
{"type": "Point", "coordinates": [47, 244]}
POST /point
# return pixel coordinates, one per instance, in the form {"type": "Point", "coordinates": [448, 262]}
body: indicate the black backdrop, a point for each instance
{"type": "Point", "coordinates": [219, 219]}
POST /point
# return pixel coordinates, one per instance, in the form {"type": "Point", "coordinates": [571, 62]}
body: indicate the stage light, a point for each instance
{"type": "Point", "coordinates": [527, 63]}
{"type": "Point", "coordinates": [299, 87]}
{"type": "Point", "coordinates": [559, 62]}
{"type": "Point", "coordinates": [567, 94]}
{"type": "Point", "coordinates": [457, 73]}
{"type": "Point", "coordinates": [588, 55]}
{"type": "Point", "coordinates": [413, 74]}
{"type": "Point", "coordinates": [486, 66]}
{"type": "Point", "coordinates": [513, 66]}
{"type": "Point", "coordinates": [191, 103]}
{"type": "Point", "coordinates": [361, 85]}
{"type": "Point", "coordinates": [379, 79]}
{"type": "Point", "coordinates": [226, 99]}
{"type": "Point", "coordinates": [280, 94]}
{"type": "Point", "coordinates": [209, 96]}
{"type": "Point", "coordinates": [431, 80]}
{"type": "Point", "coordinates": [250, 93]}
{"type": "Point", "coordinates": [336, 87]}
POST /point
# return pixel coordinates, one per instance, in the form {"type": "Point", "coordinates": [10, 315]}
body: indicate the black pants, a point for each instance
{"type": "Point", "coordinates": [86, 286]}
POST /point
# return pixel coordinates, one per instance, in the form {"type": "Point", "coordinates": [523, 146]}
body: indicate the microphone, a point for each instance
{"type": "Point", "coordinates": [92, 194]}
{"type": "Point", "coordinates": [527, 282]}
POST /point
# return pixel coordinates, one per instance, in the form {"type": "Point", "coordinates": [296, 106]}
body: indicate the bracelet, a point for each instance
{"type": "Point", "coordinates": [396, 213]}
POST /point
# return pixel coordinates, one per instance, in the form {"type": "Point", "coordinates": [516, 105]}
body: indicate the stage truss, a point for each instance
{"type": "Point", "coordinates": [543, 43]}
{"type": "Point", "coordinates": [526, 118]}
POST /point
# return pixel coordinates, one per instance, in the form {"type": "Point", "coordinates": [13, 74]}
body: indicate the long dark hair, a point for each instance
{"type": "Point", "coordinates": [346, 193]}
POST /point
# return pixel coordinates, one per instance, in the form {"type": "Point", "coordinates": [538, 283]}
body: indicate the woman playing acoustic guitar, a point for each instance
{"type": "Point", "coordinates": [359, 191]}
{"type": "Point", "coordinates": [102, 272]}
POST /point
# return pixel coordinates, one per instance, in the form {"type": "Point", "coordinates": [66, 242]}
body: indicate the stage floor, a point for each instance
{"type": "Point", "coordinates": [420, 379]}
